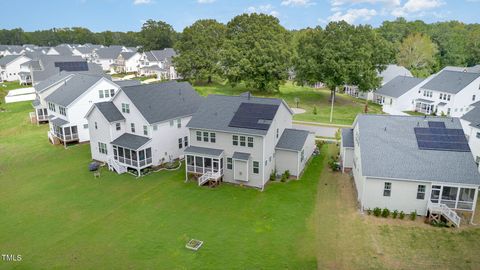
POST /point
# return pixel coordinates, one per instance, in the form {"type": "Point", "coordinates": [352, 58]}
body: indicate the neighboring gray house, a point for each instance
{"type": "Point", "coordinates": [398, 94]}
{"type": "Point", "coordinates": [413, 163]}
{"type": "Point", "coordinates": [471, 126]}
{"type": "Point", "coordinates": [107, 56]}
{"type": "Point", "coordinates": [158, 63]}
{"type": "Point", "coordinates": [143, 125]}
{"type": "Point", "coordinates": [244, 139]}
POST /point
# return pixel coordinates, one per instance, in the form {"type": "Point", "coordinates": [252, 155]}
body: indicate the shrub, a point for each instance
{"type": "Point", "coordinates": [413, 215]}
{"type": "Point", "coordinates": [377, 211]}
{"type": "Point", "coordinates": [287, 174]}
{"type": "Point", "coordinates": [315, 110]}
{"type": "Point", "coordinates": [273, 176]}
{"type": "Point", "coordinates": [369, 211]}
{"type": "Point", "coordinates": [333, 164]}
{"type": "Point", "coordinates": [395, 214]}
{"type": "Point", "coordinates": [401, 215]}
{"type": "Point", "coordinates": [385, 213]}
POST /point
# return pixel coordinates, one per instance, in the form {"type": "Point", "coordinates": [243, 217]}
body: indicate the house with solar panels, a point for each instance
{"type": "Point", "coordinates": [412, 163]}
{"type": "Point", "coordinates": [243, 140]}
{"type": "Point", "coordinates": [471, 126]}
{"type": "Point", "coordinates": [143, 126]}
{"type": "Point", "coordinates": [449, 93]}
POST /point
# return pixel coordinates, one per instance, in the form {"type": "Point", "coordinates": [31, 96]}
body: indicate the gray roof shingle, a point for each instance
{"type": "Point", "coordinates": [392, 71]}
{"type": "Point", "coordinates": [7, 59]}
{"type": "Point", "coordinates": [203, 151]}
{"type": "Point", "coordinates": [125, 83]}
{"type": "Point", "coordinates": [108, 53]}
{"type": "Point", "coordinates": [388, 149]}
{"type": "Point", "coordinates": [218, 110]}
{"type": "Point", "coordinates": [450, 81]}
{"type": "Point", "coordinates": [292, 139]}
{"type": "Point", "coordinates": [159, 102]}
{"type": "Point", "coordinates": [131, 141]}
{"type": "Point", "coordinates": [72, 89]}
{"type": "Point", "coordinates": [48, 69]}
{"type": "Point", "coordinates": [110, 111]}
{"type": "Point", "coordinates": [241, 156]}
{"type": "Point", "coordinates": [347, 137]}
{"type": "Point", "coordinates": [398, 86]}
{"type": "Point", "coordinates": [473, 116]}
{"type": "Point", "coordinates": [161, 55]}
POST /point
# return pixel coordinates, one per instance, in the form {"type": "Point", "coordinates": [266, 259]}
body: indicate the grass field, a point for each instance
{"type": "Point", "coordinates": [346, 108]}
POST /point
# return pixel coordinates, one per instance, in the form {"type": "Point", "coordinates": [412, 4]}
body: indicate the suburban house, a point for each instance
{"type": "Point", "coordinates": [449, 93]}
{"type": "Point", "coordinates": [84, 51]}
{"type": "Point", "coordinates": [126, 62]}
{"type": "Point", "coordinates": [412, 163]}
{"type": "Point", "coordinates": [70, 101]}
{"type": "Point", "coordinates": [60, 50]}
{"type": "Point", "coordinates": [471, 126]}
{"type": "Point", "coordinates": [10, 67]}
{"type": "Point", "coordinates": [398, 94]}
{"type": "Point", "coordinates": [107, 56]}
{"type": "Point", "coordinates": [390, 72]}
{"type": "Point", "coordinates": [158, 63]}
{"type": "Point", "coordinates": [142, 126]}
{"type": "Point", "coordinates": [244, 140]}
{"type": "Point", "coordinates": [11, 50]}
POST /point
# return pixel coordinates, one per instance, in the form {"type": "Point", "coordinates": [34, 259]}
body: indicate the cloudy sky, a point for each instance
{"type": "Point", "coordinates": [124, 15]}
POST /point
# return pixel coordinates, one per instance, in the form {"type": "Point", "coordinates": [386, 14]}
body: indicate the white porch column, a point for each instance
{"type": "Point", "coordinates": [474, 205]}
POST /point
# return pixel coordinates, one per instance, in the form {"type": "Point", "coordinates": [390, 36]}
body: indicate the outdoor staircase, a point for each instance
{"type": "Point", "coordinates": [439, 209]}
{"type": "Point", "coordinates": [208, 176]}
{"type": "Point", "coordinates": [113, 165]}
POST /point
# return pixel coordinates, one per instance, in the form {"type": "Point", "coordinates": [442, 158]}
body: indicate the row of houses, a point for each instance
{"type": "Point", "coordinates": [15, 60]}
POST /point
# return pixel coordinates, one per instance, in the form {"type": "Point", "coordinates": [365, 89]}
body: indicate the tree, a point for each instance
{"type": "Point", "coordinates": [418, 54]}
{"type": "Point", "coordinates": [256, 51]}
{"type": "Point", "coordinates": [451, 38]}
{"type": "Point", "coordinates": [199, 50]}
{"type": "Point", "coordinates": [473, 45]}
{"type": "Point", "coordinates": [157, 35]}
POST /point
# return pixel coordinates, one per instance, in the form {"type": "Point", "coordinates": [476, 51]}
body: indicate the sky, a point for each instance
{"type": "Point", "coordinates": [129, 15]}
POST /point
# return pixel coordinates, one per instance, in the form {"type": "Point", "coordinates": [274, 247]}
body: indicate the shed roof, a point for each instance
{"type": "Point", "coordinates": [110, 111]}
{"type": "Point", "coordinates": [131, 141]}
{"type": "Point", "coordinates": [347, 137]}
{"type": "Point", "coordinates": [292, 139]}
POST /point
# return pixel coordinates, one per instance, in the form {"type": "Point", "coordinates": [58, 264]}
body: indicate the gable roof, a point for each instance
{"type": "Point", "coordinates": [127, 55]}
{"type": "Point", "coordinates": [450, 81]}
{"type": "Point", "coordinates": [392, 71]}
{"type": "Point", "coordinates": [8, 59]}
{"type": "Point", "coordinates": [111, 52]}
{"type": "Point", "coordinates": [57, 78]}
{"type": "Point", "coordinates": [474, 69]}
{"type": "Point", "coordinates": [161, 55]}
{"type": "Point", "coordinates": [389, 149]}
{"type": "Point", "coordinates": [473, 116]}
{"type": "Point", "coordinates": [48, 68]}
{"type": "Point", "coordinates": [125, 83]}
{"type": "Point", "coordinates": [292, 139]}
{"type": "Point", "coordinates": [63, 50]}
{"type": "Point", "coordinates": [72, 89]}
{"type": "Point", "coordinates": [163, 101]}
{"type": "Point", "coordinates": [398, 86]}
{"type": "Point", "coordinates": [110, 111]}
{"type": "Point", "coordinates": [347, 137]}
{"type": "Point", "coordinates": [131, 141]}
{"type": "Point", "coordinates": [217, 112]}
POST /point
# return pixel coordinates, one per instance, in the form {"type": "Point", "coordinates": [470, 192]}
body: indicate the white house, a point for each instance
{"type": "Point", "coordinates": [243, 140]}
{"type": "Point", "coordinates": [412, 163]}
{"type": "Point", "coordinates": [71, 100]}
{"type": "Point", "coordinates": [471, 126]}
{"type": "Point", "coordinates": [390, 72]}
{"type": "Point", "coordinates": [60, 50]}
{"type": "Point", "coordinates": [449, 93]}
{"type": "Point", "coordinates": [10, 67]}
{"type": "Point", "coordinates": [126, 62]}
{"type": "Point", "coordinates": [105, 57]}
{"type": "Point", "coordinates": [143, 125]}
{"type": "Point", "coordinates": [158, 63]}
{"type": "Point", "coordinates": [398, 94]}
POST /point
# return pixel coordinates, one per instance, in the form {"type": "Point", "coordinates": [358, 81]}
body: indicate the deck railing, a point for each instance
{"type": "Point", "coordinates": [444, 210]}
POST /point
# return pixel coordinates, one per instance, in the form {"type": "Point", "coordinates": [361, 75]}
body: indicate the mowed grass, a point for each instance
{"type": "Point", "coordinates": [56, 215]}
{"type": "Point", "coordinates": [345, 107]}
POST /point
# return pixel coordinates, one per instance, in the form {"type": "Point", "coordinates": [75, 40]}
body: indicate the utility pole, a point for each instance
{"type": "Point", "coordinates": [333, 100]}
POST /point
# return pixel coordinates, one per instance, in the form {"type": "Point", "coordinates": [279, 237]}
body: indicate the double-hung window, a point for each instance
{"type": "Point", "coordinates": [117, 126]}
{"type": "Point", "coordinates": [421, 192]}
{"type": "Point", "coordinates": [180, 143]}
{"type": "Point", "coordinates": [387, 189]}
{"type": "Point", "coordinates": [185, 141]}
{"type": "Point", "coordinates": [145, 130]}
{"type": "Point", "coordinates": [213, 137]}
{"type": "Point", "coordinates": [256, 167]}
{"type": "Point", "coordinates": [229, 163]}
{"type": "Point", "coordinates": [100, 94]}
{"type": "Point", "coordinates": [235, 139]}
{"type": "Point", "coordinates": [179, 123]}
{"type": "Point", "coordinates": [125, 108]}
{"type": "Point", "coordinates": [250, 141]}
{"type": "Point", "coordinates": [102, 148]}
{"type": "Point", "coordinates": [199, 136]}
{"type": "Point", "coordinates": [205, 136]}
{"type": "Point", "coordinates": [132, 127]}
{"type": "Point", "coordinates": [112, 92]}
{"type": "Point", "coordinates": [242, 140]}
{"type": "Point", "coordinates": [62, 110]}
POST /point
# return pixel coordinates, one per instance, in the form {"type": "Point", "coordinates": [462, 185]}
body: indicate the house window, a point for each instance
{"type": "Point", "coordinates": [199, 136]}
{"type": "Point", "coordinates": [302, 155]}
{"type": "Point", "coordinates": [171, 123]}
{"type": "Point", "coordinates": [387, 189]}
{"type": "Point", "coordinates": [62, 111]}
{"type": "Point", "coordinates": [112, 92]}
{"type": "Point", "coordinates": [250, 141]}
{"type": "Point", "coordinates": [448, 97]}
{"type": "Point", "coordinates": [132, 127]}
{"type": "Point", "coordinates": [125, 108]}
{"type": "Point", "coordinates": [100, 94]}
{"type": "Point", "coordinates": [102, 148]}
{"type": "Point", "coordinates": [478, 135]}
{"type": "Point", "coordinates": [117, 126]}
{"type": "Point", "coordinates": [213, 137]}
{"type": "Point", "coordinates": [205, 136]}
{"type": "Point", "coordinates": [51, 106]}
{"type": "Point", "coordinates": [96, 126]}
{"type": "Point", "coordinates": [473, 98]}
{"type": "Point", "coordinates": [235, 139]}
{"type": "Point", "coordinates": [256, 166]}
{"type": "Point", "coordinates": [421, 192]}
{"type": "Point", "coordinates": [155, 127]}
{"type": "Point", "coordinates": [277, 132]}
{"type": "Point", "coordinates": [85, 126]}
{"type": "Point", "coordinates": [107, 93]}
{"type": "Point", "coordinates": [145, 130]}
{"type": "Point", "coordinates": [242, 140]}
{"type": "Point", "coordinates": [180, 143]}
{"type": "Point", "coordinates": [441, 96]}
{"type": "Point", "coordinates": [185, 141]}
{"type": "Point", "coordinates": [179, 123]}
{"type": "Point", "coordinates": [229, 163]}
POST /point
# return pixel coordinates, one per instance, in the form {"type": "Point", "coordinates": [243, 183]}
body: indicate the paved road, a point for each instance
{"type": "Point", "coordinates": [322, 131]}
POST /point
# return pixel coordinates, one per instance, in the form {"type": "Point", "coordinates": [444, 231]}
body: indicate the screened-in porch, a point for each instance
{"type": "Point", "coordinates": [133, 158]}
{"type": "Point", "coordinates": [204, 162]}
{"type": "Point", "coordinates": [457, 198]}
{"type": "Point", "coordinates": [424, 106]}
{"type": "Point", "coordinates": [61, 130]}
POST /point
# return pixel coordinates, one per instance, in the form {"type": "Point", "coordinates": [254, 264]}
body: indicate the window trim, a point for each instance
{"type": "Point", "coordinates": [387, 189]}
{"type": "Point", "coordinates": [229, 163]}
{"type": "Point", "coordinates": [421, 194]}
{"type": "Point", "coordinates": [255, 167]}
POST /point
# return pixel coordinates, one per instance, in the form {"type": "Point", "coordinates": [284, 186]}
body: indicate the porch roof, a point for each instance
{"type": "Point", "coordinates": [241, 156]}
{"type": "Point", "coordinates": [36, 103]}
{"type": "Point", "coordinates": [203, 151]}
{"type": "Point", "coordinates": [442, 104]}
{"type": "Point", "coordinates": [424, 100]}
{"type": "Point", "coordinates": [131, 141]}
{"type": "Point", "coordinates": [59, 122]}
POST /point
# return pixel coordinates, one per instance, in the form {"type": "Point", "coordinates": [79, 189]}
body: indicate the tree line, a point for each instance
{"type": "Point", "coordinates": [256, 50]}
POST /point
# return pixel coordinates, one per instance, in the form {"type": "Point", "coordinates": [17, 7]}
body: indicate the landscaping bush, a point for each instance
{"type": "Point", "coordinates": [333, 164]}
{"type": "Point", "coordinates": [315, 110]}
{"type": "Point", "coordinates": [413, 215]}
{"type": "Point", "coordinates": [284, 178]}
{"type": "Point", "coordinates": [369, 212]}
{"type": "Point", "coordinates": [401, 215]}
{"type": "Point", "coordinates": [395, 214]}
{"type": "Point", "coordinates": [385, 213]}
{"type": "Point", "coordinates": [287, 174]}
{"type": "Point", "coordinates": [273, 176]}
{"type": "Point", "coordinates": [377, 211]}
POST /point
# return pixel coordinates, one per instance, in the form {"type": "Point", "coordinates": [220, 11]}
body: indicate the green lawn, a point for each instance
{"type": "Point", "coordinates": [346, 108]}
{"type": "Point", "coordinates": [57, 216]}
{"type": "Point", "coordinates": [414, 113]}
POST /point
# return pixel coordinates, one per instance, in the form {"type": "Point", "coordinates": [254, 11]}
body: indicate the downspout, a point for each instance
{"type": "Point", "coordinates": [263, 163]}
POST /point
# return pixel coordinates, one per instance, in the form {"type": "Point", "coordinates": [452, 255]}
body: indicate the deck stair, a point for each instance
{"type": "Point", "coordinates": [113, 165]}
{"type": "Point", "coordinates": [208, 176]}
{"type": "Point", "coordinates": [438, 210]}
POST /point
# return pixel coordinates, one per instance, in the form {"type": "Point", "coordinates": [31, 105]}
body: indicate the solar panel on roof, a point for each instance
{"type": "Point", "coordinates": [436, 124]}
{"type": "Point", "coordinates": [254, 116]}
{"type": "Point", "coordinates": [72, 66]}
{"type": "Point", "coordinates": [441, 139]}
